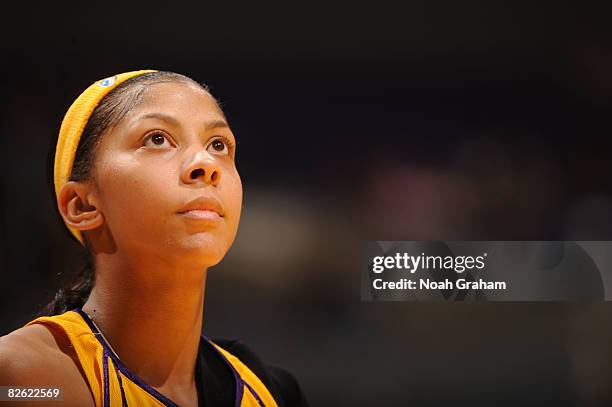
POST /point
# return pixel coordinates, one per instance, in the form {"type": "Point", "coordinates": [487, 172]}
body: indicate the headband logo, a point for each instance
{"type": "Point", "coordinates": [108, 81]}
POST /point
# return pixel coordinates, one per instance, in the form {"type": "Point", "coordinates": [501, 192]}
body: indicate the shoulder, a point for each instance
{"type": "Point", "coordinates": [36, 356]}
{"type": "Point", "coordinates": [282, 384]}
{"type": "Point", "coordinates": [24, 353]}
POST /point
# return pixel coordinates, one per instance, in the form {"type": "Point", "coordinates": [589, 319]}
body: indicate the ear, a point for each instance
{"type": "Point", "coordinates": [78, 206]}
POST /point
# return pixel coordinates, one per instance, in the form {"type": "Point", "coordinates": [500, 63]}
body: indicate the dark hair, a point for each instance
{"type": "Point", "coordinates": [111, 110]}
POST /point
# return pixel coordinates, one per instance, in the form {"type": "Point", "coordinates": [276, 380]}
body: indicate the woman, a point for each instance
{"type": "Point", "coordinates": [145, 179]}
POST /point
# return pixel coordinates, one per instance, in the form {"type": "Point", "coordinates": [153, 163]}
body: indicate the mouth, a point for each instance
{"type": "Point", "coordinates": [201, 214]}
{"type": "Point", "coordinates": [206, 209]}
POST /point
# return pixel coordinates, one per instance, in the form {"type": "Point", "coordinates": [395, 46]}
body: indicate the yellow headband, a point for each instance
{"type": "Point", "coordinates": [72, 127]}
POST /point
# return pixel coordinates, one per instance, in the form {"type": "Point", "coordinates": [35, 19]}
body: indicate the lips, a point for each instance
{"type": "Point", "coordinates": [203, 208]}
{"type": "Point", "coordinates": [201, 215]}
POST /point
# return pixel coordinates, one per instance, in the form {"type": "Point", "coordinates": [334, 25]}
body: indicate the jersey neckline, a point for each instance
{"type": "Point", "coordinates": [108, 351]}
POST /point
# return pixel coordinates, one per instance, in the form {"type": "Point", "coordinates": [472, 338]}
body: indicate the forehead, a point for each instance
{"type": "Point", "coordinates": [183, 100]}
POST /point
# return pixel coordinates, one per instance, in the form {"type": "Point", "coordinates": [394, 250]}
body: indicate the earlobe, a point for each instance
{"type": "Point", "coordinates": [76, 209]}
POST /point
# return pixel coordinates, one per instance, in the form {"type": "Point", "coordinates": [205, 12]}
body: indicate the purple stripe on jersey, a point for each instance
{"type": "Point", "coordinates": [105, 369]}
{"type": "Point", "coordinates": [254, 393]}
{"type": "Point", "coordinates": [123, 399]}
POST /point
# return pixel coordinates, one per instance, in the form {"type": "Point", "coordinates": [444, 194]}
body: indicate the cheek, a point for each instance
{"type": "Point", "coordinates": [233, 198]}
{"type": "Point", "coordinates": [134, 197]}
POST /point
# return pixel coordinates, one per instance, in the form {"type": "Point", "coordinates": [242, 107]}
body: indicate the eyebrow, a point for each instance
{"type": "Point", "coordinates": [216, 124]}
{"type": "Point", "coordinates": [211, 125]}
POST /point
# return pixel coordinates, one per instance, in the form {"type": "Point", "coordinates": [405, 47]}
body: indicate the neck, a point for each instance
{"type": "Point", "coordinates": [151, 315]}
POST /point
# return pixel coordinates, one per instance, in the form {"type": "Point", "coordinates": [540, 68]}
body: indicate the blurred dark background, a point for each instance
{"type": "Point", "coordinates": [355, 120]}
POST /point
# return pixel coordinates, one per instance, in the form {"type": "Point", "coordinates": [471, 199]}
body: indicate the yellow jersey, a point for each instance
{"type": "Point", "coordinates": [113, 385]}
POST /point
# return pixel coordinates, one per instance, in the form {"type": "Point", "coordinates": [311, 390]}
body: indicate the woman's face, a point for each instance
{"type": "Point", "coordinates": [165, 178]}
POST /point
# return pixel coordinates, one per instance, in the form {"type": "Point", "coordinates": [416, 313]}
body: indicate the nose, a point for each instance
{"type": "Point", "coordinates": [202, 168]}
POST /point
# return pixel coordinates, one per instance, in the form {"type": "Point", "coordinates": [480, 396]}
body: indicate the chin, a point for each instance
{"type": "Point", "coordinates": [202, 249]}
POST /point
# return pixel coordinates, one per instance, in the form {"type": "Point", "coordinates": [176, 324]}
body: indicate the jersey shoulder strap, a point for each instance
{"type": "Point", "coordinates": [254, 391]}
{"type": "Point", "coordinates": [87, 348]}
{"type": "Point", "coordinates": [281, 384]}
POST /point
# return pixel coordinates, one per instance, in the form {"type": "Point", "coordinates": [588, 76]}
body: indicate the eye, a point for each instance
{"type": "Point", "coordinates": [157, 139]}
{"type": "Point", "coordinates": [219, 146]}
